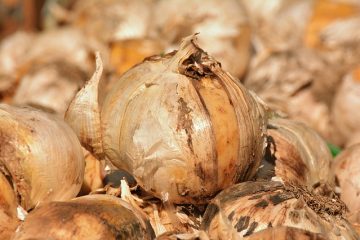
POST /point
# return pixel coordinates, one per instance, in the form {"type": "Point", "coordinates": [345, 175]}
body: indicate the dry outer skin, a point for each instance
{"type": "Point", "coordinates": [89, 217]}
{"type": "Point", "coordinates": [40, 154]}
{"type": "Point", "coordinates": [285, 233]}
{"type": "Point", "coordinates": [8, 205]}
{"type": "Point", "coordinates": [346, 167]}
{"type": "Point", "coordinates": [160, 124]}
{"type": "Point", "coordinates": [250, 207]}
{"type": "Point", "coordinates": [297, 155]}
{"type": "Point", "coordinates": [223, 26]}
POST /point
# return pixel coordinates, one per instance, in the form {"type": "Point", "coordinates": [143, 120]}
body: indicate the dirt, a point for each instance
{"type": "Point", "coordinates": [185, 122]}
{"type": "Point", "coordinates": [198, 65]}
{"type": "Point", "coordinates": [318, 203]}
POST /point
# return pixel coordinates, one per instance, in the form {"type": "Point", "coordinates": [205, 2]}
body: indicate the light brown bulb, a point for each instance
{"type": "Point", "coordinates": [296, 154]}
{"type": "Point", "coordinates": [180, 124]}
{"type": "Point", "coordinates": [88, 217]}
{"type": "Point", "coordinates": [246, 208]}
{"type": "Point", "coordinates": [40, 154]}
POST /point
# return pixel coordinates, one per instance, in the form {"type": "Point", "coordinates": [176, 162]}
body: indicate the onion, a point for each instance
{"type": "Point", "coordinates": [346, 167]}
{"type": "Point", "coordinates": [180, 124]}
{"type": "Point", "coordinates": [40, 155]}
{"type": "Point", "coordinates": [296, 154]}
{"type": "Point", "coordinates": [88, 217]}
{"type": "Point", "coordinates": [249, 207]}
{"type": "Point", "coordinates": [345, 114]}
{"type": "Point", "coordinates": [223, 25]}
{"type": "Point", "coordinates": [8, 206]}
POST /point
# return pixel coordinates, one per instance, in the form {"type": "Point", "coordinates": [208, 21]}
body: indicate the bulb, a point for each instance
{"type": "Point", "coordinates": [40, 154]}
{"type": "Point", "coordinates": [182, 126]}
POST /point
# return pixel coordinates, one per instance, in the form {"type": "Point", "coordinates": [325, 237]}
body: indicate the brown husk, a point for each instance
{"type": "Point", "coordinates": [88, 217]}
{"type": "Point", "coordinates": [249, 207]}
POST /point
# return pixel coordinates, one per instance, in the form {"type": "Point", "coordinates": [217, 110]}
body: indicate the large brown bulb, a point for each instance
{"type": "Point", "coordinates": [246, 208]}
{"type": "Point", "coordinates": [296, 154]}
{"type": "Point", "coordinates": [180, 124]}
{"type": "Point", "coordinates": [93, 217]}
{"type": "Point", "coordinates": [40, 154]}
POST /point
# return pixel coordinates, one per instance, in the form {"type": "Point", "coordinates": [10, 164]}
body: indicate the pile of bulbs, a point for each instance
{"type": "Point", "coordinates": [125, 123]}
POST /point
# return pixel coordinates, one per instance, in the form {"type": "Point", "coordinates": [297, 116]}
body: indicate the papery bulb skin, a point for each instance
{"type": "Point", "coordinates": [249, 207]}
{"type": "Point", "coordinates": [296, 154]}
{"type": "Point", "coordinates": [87, 217]}
{"type": "Point", "coordinates": [40, 154]}
{"type": "Point", "coordinates": [180, 124]}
